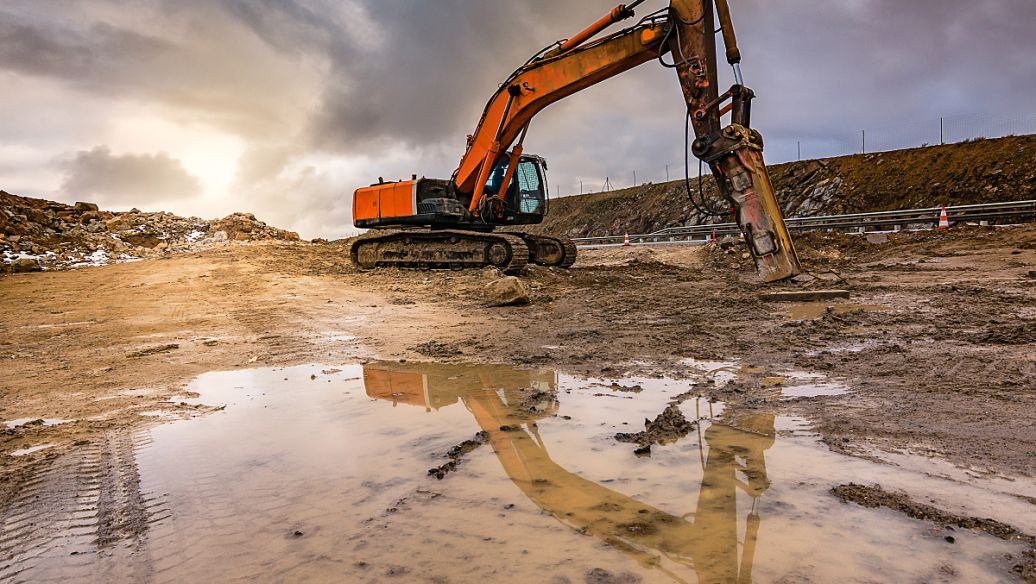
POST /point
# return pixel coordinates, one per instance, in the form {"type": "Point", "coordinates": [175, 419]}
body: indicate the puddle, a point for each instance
{"type": "Point", "coordinates": [320, 473]}
{"type": "Point", "coordinates": [800, 384]}
{"type": "Point", "coordinates": [30, 450]}
{"type": "Point", "coordinates": [815, 310]}
{"type": "Point", "coordinates": [12, 424]}
{"type": "Point", "coordinates": [792, 384]}
{"type": "Point", "coordinates": [158, 414]}
{"type": "Point", "coordinates": [813, 390]}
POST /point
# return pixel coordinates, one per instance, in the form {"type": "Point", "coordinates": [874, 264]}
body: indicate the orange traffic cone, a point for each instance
{"type": "Point", "coordinates": [626, 241]}
{"type": "Point", "coordinates": [944, 220]}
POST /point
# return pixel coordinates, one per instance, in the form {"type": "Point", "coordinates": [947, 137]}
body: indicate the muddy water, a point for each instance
{"type": "Point", "coordinates": [319, 474]}
{"type": "Point", "coordinates": [815, 310]}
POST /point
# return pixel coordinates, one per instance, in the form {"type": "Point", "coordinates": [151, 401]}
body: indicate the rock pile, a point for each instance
{"type": "Point", "coordinates": [37, 234]}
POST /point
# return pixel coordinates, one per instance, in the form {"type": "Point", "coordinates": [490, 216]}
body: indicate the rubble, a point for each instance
{"type": "Point", "coordinates": [36, 234]}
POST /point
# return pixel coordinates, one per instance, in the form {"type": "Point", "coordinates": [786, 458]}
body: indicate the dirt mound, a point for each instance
{"type": "Point", "coordinates": [980, 171]}
{"type": "Point", "coordinates": [667, 427]}
{"type": "Point", "coordinates": [39, 234]}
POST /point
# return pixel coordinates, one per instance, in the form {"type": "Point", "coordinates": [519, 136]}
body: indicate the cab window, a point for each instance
{"type": "Point", "coordinates": [530, 188]}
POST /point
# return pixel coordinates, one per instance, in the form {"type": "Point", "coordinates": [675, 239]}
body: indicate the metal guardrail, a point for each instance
{"type": "Point", "coordinates": [861, 222]}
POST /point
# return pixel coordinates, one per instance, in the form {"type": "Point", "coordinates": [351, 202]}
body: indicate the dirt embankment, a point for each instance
{"type": "Point", "coordinates": [38, 234]}
{"type": "Point", "coordinates": [981, 171]}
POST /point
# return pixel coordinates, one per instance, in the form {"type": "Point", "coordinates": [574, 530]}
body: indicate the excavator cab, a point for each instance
{"type": "Point", "coordinates": [527, 194]}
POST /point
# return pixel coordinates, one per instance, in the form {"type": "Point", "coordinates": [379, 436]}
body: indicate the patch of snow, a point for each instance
{"type": "Point", "coordinates": [97, 258]}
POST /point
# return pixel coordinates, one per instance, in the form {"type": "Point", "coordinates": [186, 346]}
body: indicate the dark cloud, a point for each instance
{"type": "Point", "coordinates": [826, 70]}
{"type": "Point", "coordinates": [127, 180]}
{"type": "Point", "coordinates": [397, 84]}
{"type": "Point", "coordinates": [823, 71]}
{"type": "Point", "coordinates": [99, 57]}
{"type": "Point", "coordinates": [198, 60]}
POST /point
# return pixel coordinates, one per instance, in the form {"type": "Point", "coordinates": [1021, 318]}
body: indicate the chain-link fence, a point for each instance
{"type": "Point", "coordinates": [919, 134]}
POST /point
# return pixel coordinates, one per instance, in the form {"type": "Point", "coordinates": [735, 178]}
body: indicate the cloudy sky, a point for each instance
{"type": "Point", "coordinates": [284, 107]}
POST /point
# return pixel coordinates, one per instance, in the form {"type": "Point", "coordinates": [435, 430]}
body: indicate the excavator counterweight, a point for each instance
{"type": "Point", "coordinates": [497, 185]}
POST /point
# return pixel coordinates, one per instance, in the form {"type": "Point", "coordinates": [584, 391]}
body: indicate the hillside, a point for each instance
{"type": "Point", "coordinates": [39, 234]}
{"type": "Point", "coordinates": [980, 171]}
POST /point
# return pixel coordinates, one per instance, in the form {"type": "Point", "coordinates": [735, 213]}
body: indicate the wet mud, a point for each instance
{"type": "Point", "coordinates": [318, 473]}
{"type": "Point", "coordinates": [875, 496]}
{"type": "Point", "coordinates": [456, 454]}
{"type": "Point", "coordinates": [667, 427]}
{"type": "Point", "coordinates": [930, 396]}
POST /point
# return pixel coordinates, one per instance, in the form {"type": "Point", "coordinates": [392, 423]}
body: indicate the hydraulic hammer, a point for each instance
{"type": "Point", "coordinates": [735, 152]}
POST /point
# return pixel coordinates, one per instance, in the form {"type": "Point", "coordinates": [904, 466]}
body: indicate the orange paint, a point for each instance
{"type": "Point", "coordinates": [385, 200]}
{"type": "Point", "coordinates": [545, 82]}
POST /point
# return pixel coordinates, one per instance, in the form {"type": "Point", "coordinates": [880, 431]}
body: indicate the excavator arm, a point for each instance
{"type": "Point", "coordinates": [686, 31]}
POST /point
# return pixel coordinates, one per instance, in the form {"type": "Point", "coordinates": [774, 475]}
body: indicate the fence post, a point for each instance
{"type": "Point", "coordinates": [942, 131]}
{"type": "Point", "coordinates": [864, 132]}
{"type": "Point", "coordinates": [800, 150]}
{"type": "Point", "coordinates": [634, 178]}
{"type": "Point", "coordinates": [667, 173]}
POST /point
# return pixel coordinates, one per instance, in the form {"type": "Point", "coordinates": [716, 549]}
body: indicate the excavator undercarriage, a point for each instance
{"type": "Point", "coordinates": [459, 249]}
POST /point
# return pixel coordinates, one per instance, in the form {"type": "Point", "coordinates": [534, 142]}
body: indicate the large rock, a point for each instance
{"type": "Point", "coordinates": [80, 206]}
{"type": "Point", "coordinates": [508, 291]}
{"type": "Point", "coordinates": [25, 265]}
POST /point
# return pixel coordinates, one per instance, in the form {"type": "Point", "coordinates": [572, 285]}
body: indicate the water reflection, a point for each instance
{"type": "Point", "coordinates": [507, 403]}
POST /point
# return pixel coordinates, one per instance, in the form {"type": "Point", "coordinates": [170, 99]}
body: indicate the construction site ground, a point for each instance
{"type": "Point", "coordinates": [936, 346]}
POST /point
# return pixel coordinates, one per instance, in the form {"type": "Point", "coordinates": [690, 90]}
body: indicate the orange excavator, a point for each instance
{"type": "Point", "coordinates": [462, 222]}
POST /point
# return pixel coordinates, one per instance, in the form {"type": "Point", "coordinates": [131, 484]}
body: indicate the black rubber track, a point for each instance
{"type": "Point", "coordinates": [467, 249]}
{"type": "Point", "coordinates": [568, 249]}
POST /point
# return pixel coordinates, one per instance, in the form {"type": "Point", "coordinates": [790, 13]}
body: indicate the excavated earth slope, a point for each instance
{"type": "Point", "coordinates": [37, 234]}
{"type": "Point", "coordinates": [981, 171]}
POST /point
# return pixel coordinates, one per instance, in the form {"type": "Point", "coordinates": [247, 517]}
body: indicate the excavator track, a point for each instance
{"type": "Point", "coordinates": [549, 251]}
{"type": "Point", "coordinates": [445, 249]}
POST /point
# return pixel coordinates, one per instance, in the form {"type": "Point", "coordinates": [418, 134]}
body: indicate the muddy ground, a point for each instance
{"type": "Point", "coordinates": [937, 343]}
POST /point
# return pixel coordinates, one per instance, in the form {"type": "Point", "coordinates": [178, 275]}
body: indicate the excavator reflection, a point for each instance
{"type": "Point", "coordinates": [507, 402]}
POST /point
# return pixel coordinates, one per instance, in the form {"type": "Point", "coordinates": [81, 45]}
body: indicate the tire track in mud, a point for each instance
{"type": "Point", "coordinates": [222, 525]}
{"type": "Point", "coordinates": [82, 517]}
